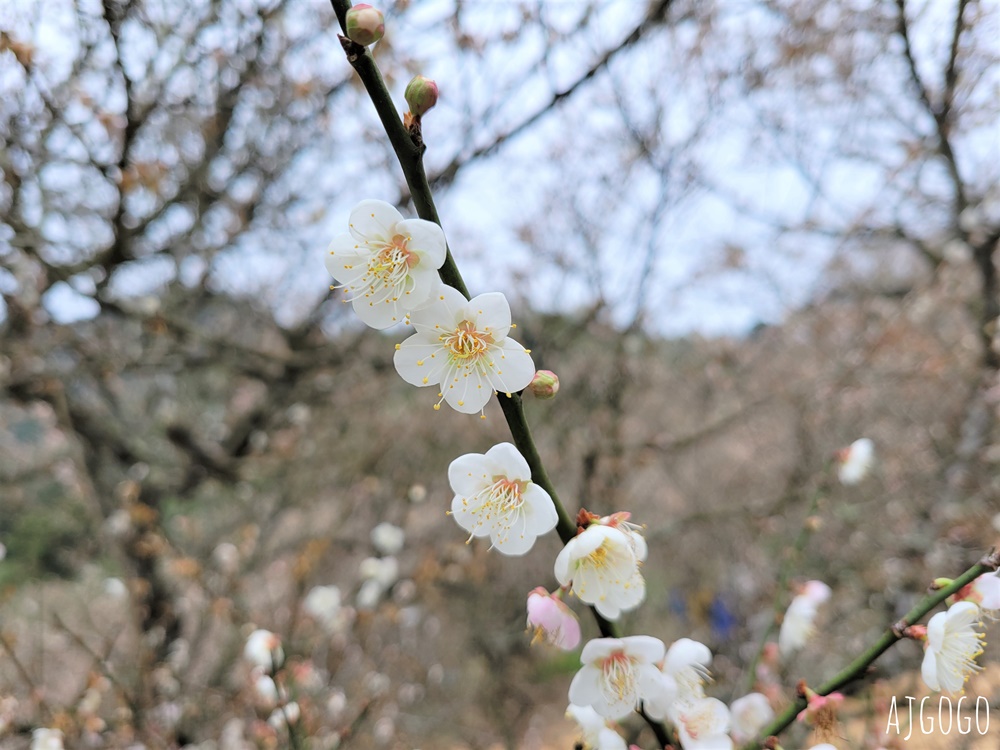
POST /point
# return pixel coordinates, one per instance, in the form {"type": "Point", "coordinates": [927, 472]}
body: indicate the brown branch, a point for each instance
{"type": "Point", "coordinates": [657, 15]}
{"type": "Point", "coordinates": [940, 115]}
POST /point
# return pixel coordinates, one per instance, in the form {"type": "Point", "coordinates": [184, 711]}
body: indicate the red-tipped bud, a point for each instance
{"type": "Point", "coordinates": [365, 24]}
{"type": "Point", "coordinates": [545, 384]}
{"type": "Point", "coordinates": [421, 94]}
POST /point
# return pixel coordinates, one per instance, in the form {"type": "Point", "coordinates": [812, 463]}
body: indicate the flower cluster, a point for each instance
{"type": "Point", "coordinates": [620, 675]}
{"type": "Point", "coordinates": [388, 267]}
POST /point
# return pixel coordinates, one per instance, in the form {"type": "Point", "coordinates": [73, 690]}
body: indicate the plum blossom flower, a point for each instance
{"type": "Point", "coordinates": [601, 563]}
{"type": "Point", "coordinates": [388, 538]}
{"type": "Point", "coordinates": [687, 661]}
{"type": "Point", "coordinates": [263, 649]}
{"type": "Point", "coordinates": [953, 643]}
{"type": "Point", "coordinates": [750, 714]}
{"type": "Point", "coordinates": [495, 497]}
{"type": "Point", "coordinates": [597, 735]}
{"type": "Point", "coordinates": [386, 264]}
{"type": "Point", "coordinates": [552, 620]}
{"type": "Point", "coordinates": [821, 711]}
{"type": "Point", "coordinates": [265, 690]}
{"type": "Point", "coordinates": [617, 673]}
{"type": "Point", "coordinates": [984, 592]}
{"type": "Point", "coordinates": [659, 702]}
{"type": "Point", "coordinates": [285, 715]}
{"type": "Point", "coordinates": [798, 625]}
{"type": "Point", "coordinates": [322, 603]}
{"type": "Point", "coordinates": [462, 346]}
{"type": "Point", "coordinates": [46, 739]}
{"type": "Point", "coordinates": [703, 724]}
{"type": "Point", "coordinates": [855, 461]}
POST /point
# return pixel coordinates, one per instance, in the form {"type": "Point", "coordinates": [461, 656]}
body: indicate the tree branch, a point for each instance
{"type": "Point", "coordinates": [893, 634]}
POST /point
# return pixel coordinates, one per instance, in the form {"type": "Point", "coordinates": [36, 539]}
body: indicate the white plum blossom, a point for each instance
{"type": "Point", "coordinates": [495, 497]}
{"type": "Point", "coordinates": [984, 592]}
{"type": "Point", "coordinates": [265, 690]}
{"type": "Point", "coordinates": [798, 626]}
{"type": "Point", "coordinates": [597, 735]}
{"type": "Point", "coordinates": [284, 715]}
{"type": "Point", "coordinates": [462, 347]}
{"type": "Point", "coordinates": [750, 714]}
{"type": "Point", "coordinates": [856, 461]}
{"type": "Point", "coordinates": [954, 641]}
{"type": "Point", "coordinates": [46, 739]}
{"type": "Point", "coordinates": [703, 724]}
{"type": "Point", "coordinates": [322, 603]}
{"type": "Point", "coordinates": [369, 594]}
{"type": "Point", "coordinates": [227, 557]}
{"type": "Point", "coordinates": [388, 538]}
{"type": "Point", "coordinates": [388, 265]}
{"type": "Point", "coordinates": [384, 570]}
{"type": "Point", "coordinates": [659, 702]}
{"type": "Point", "coordinates": [263, 649]}
{"type": "Point", "coordinates": [621, 522]}
{"type": "Point", "coordinates": [617, 674]}
{"type": "Point", "coordinates": [552, 621]}
{"type": "Point", "coordinates": [687, 662]}
{"type": "Point", "coordinates": [601, 563]}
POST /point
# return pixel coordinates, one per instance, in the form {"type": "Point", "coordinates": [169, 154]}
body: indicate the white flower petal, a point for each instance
{"type": "Point", "coordinates": [585, 689]}
{"type": "Point", "coordinates": [539, 505]}
{"type": "Point", "coordinates": [419, 361]}
{"type": "Point", "coordinates": [426, 238]}
{"type": "Point", "coordinates": [468, 394]}
{"type": "Point", "coordinates": [935, 631]}
{"type": "Point", "coordinates": [467, 474]}
{"type": "Point", "coordinates": [511, 461]}
{"type": "Point", "coordinates": [378, 315]}
{"type": "Point", "coordinates": [373, 219]}
{"type": "Point", "coordinates": [513, 368]}
{"type": "Point", "coordinates": [492, 314]}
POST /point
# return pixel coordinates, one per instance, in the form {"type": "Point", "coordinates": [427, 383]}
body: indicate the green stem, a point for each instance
{"type": "Point", "coordinates": [860, 665]}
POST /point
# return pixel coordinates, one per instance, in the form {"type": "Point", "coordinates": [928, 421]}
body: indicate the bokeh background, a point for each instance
{"type": "Point", "coordinates": [743, 232]}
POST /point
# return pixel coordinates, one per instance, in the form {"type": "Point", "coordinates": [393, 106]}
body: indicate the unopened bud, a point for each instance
{"type": "Point", "coordinates": [545, 384]}
{"type": "Point", "coordinates": [421, 94]}
{"type": "Point", "coordinates": [365, 24]}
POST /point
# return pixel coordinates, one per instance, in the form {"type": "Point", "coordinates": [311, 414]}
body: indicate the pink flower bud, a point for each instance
{"type": "Point", "coordinates": [545, 384]}
{"type": "Point", "coordinates": [365, 24]}
{"type": "Point", "coordinates": [421, 94]}
{"type": "Point", "coordinates": [552, 620]}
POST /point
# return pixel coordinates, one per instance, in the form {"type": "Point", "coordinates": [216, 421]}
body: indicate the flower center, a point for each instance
{"type": "Point", "coordinates": [599, 557]}
{"type": "Point", "coordinates": [465, 343]}
{"type": "Point", "coordinates": [497, 506]}
{"type": "Point", "coordinates": [505, 495]}
{"type": "Point", "coordinates": [619, 683]}
{"type": "Point", "coordinates": [391, 265]}
{"type": "Point", "coordinates": [697, 723]}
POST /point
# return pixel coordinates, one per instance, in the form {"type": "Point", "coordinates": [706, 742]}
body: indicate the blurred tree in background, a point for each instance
{"type": "Point", "coordinates": [648, 181]}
